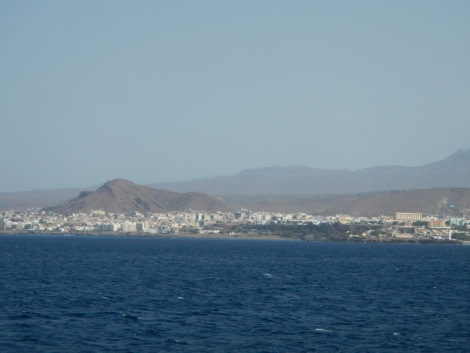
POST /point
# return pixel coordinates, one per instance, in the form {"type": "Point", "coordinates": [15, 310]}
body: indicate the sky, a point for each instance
{"type": "Point", "coordinates": [156, 91]}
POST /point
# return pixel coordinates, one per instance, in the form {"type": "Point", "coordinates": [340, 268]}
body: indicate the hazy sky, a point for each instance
{"type": "Point", "coordinates": [156, 91]}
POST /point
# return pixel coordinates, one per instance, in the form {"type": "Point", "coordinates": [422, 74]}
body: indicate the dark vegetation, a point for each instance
{"type": "Point", "coordinates": [308, 231]}
{"type": "Point", "coordinates": [461, 236]}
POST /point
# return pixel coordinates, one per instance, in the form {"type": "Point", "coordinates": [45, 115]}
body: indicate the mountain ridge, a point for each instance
{"type": "Point", "coordinates": [295, 186]}
{"type": "Point", "coordinates": [453, 171]}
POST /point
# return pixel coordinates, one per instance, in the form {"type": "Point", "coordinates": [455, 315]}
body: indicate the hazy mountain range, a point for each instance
{"type": "Point", "coordinates": [440, 187]}
{"type": "Point", "coordinates": [453, 171]}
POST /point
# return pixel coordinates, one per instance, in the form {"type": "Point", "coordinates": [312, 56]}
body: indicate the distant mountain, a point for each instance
{"type": "Point", "coordinates": [443, 201]}
{"type": "Point", "coordinates": [453, 171]}
{"type": "Point", "coordinates": [37, 198]}
{"type": "Point", "coordinates": [122, 196]}
{"type": "Point", "coordinates": [295, 186]}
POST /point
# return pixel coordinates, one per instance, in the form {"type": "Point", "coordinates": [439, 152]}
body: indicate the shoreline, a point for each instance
{"type": "Point", "coordinates": [152, 235]}
{"type": "Point", "coordinates": [239, 237]}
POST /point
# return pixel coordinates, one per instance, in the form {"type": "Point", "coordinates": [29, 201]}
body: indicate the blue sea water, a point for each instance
{"type": "Point", "coordinates": [118, 294]}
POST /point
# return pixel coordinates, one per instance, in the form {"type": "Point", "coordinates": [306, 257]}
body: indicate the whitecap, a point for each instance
{"type": "Point", "coordinates": [319, 329]}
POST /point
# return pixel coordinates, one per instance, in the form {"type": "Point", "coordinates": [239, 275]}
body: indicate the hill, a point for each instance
{"type": "Point", "coordinates": [122, 196]}
{"type": "Point", "coordinates": [452, 172]}
{"type": "Point", "coordinates": [453, 202]}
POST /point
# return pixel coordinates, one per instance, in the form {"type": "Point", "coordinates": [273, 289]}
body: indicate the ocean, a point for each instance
{"type": "Point", "coordinates": [136, 294]}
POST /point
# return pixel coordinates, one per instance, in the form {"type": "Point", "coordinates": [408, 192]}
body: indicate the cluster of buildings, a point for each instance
{"type": "Point", "coordinates": [408, 225]}
{"type": "Point", "coordinates": [403, 225]}
{"type": "Point", "coordinates": [98, 221]}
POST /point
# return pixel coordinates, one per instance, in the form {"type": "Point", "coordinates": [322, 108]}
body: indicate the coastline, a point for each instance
{"type": "Point", "coordinates": [153, 235]}
{"type": "Point", "coordinates": [241, 236]}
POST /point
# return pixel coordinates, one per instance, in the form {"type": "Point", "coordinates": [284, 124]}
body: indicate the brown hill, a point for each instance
{"type": "Point", "coordinates": [122, 196]}
{"type": "Point", "coordinates": [444, 201]}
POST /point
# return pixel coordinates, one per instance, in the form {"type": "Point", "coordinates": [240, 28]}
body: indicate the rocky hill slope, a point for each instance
{"type": "Point", "coordinates": [452, 202]}
{"type": "Point", "coordinates": [122, 196]}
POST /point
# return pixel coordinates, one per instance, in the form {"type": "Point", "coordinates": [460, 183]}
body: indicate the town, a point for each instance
{"type": "Point", "coordinates": [241, 224]}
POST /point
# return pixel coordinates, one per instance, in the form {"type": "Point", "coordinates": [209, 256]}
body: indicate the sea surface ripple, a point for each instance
{"type": "Point", "coordinates": [123, 294]}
